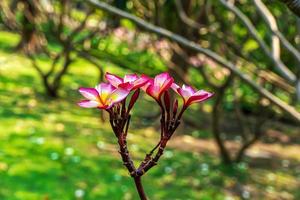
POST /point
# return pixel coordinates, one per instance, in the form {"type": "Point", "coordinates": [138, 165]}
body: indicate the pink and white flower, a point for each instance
{"type": "Point", "coordinates": [157, 86]}
{"type": "Point", "coordinates": [103, 96]}
{"type": "Point", "coordinates": [189, 95]}
{"type": "Point", "coordinates": [129, 82]}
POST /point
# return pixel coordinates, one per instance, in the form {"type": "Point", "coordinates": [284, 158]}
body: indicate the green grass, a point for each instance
{"type": "Point", "coordinates": [52, 149]}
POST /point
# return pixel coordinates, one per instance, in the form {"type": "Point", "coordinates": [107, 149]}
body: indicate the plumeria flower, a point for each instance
{"type": "Point", "coordinates": [157, 86]}
{"type": "Point", "coordinates": [189, 95]}
{"type": "Point", "coordinates": [103, 96]}
{"type": "Point", "coordinates": [129, 82]}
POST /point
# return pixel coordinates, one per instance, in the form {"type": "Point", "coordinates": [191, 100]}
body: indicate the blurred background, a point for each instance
{"type": "Point", "coordinates": [241, 144]}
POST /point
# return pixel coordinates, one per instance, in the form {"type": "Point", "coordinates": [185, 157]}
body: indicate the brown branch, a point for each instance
{"type": "Point", "coordinates": [258, 133]}
{"type": "Point", "coordinates": [58, 77]}
{"type": "Point", "coordinates": [35, 65]}
{"type": "Point", "coordinates": [54, 62]}
{"type": "Point", "coordinates": [216, 120]}
{"type": "Point", "coordinates": [80, 27]}
{"type": "Point", "coordinates": [194, 46]}
{"type": "Point", "coordinates": [188, 21]}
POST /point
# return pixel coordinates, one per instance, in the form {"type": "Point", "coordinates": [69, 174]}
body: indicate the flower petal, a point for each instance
{"type": "Point", "coordinates": [202, 92]}
{"type": "Point", "coordinates": [118, 95]}
{"type": "Point", "coordinates": [160, 79]}
{"type": "Point", "coordinates": [113, 79]}
{"type": "Point", "coordinates": [130, 78]}
{"type": "Point", "coordinates": [126, 86]}
{"type": "Point", "coordinates": [153, 91]}
{"type": "Point", "coordinates": [89, 93]}
{"type": "Point", "coordinates": [104, 90]}
{"type": "Point", "coordinates": [188, 89]}
{"type": "Point", "coordinates": [199, 96]}
{"type": "Point", "coordinates": [184, 94]}
{"type": "Point", "coordinates": [141, 81]}
{"type": "Point", "coordinates": [175, 87]}
{"type": "Point", "coordinates": [89, 104]}
{"type": "Point", "coordinates": [167, 84]}
{"type": "Point", "coordinates": [148, 83]}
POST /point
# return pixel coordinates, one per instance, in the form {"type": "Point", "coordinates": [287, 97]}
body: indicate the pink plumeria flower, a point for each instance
{"type": "Point", "coordinates": [157, 86]}
{"type": "Point", "coordinates": [189, 95]}
{"type": "Point", "coordinates": [129, 82]}
{"type": "Point", "coordinates": [103, 96]}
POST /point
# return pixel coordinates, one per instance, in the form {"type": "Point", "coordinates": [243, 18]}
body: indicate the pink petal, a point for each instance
{"type": "Point", "coordinates": [202, 92]}
{"type": "Point", "coordinates": [105, 90]}
{"type": "Point", "coordinates": [133, 99]}
{"type": "Point", "coordinates": [148, 83]}
{"type": "Point", "coordinates": [126, 86]}
{"type": "Point", "coordinates": [199, 97]}
{"type": "Point", "coordinates": [130, 78]}
{"type": "Point", "coordinates": [118, 95]}
{"type": "Point", "coordinates": [160, 79]}
{"type": "Point", "coordinates": [141, 81]}
{"type": "Point", "coordinates": [113, 79]}
{"type": "Point", "coordinates": [89, 93]}
{"type": "Point", "coordinates": [184, 94]}
{"type": "Point", "coordinates": [189, 89]}
{"type": "Point", "coordinates": [89, 104]}
{"type": "Point", "coordinates": [175, 87]}
{"type": "Point", "coordinates": [167, 84]}
{"type": "Point", "coordinates": [153, 91]}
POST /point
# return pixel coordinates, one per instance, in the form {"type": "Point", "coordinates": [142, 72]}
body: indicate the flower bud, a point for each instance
{"type": "Point", "coordinates": [167, 101]}
{"type": "Point", "coordinates": [133, 99]}
{"type": "Point", "coordinates": [175, 108]}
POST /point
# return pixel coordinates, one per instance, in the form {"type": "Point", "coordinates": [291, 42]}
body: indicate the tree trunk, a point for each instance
{"type": "Point", "coordinates": [31, 41]}
{"type": "Point", "coordinates": [216, 130]}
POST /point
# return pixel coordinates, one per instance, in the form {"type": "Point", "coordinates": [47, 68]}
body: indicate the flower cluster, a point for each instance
{"type": "Point", "coordinates": [112, 97]}
{"type": "Point", "coordinates": [106, 95]}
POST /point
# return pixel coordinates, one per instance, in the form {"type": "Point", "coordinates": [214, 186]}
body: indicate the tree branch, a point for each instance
{"type": "Point", "coordinates": [271, 22]}
{"type": "Point", "coordinates": [188, 21]}
{"type": "Point", "coordinates": [284, 71]}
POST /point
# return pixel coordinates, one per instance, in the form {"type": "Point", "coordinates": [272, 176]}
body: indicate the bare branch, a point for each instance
{"type": "Point", "coordinates": [81, 26]}
{"type": "Point", "coordinates": [284, 71]}
{"type": "Point", "coordinates": [185, 18]}
{"type": "Point", "coordinates": [194, 46]}
{"type": "Point", "coordinates": [272, 24]}
{"type": "Point", "coordinates": [35, 65]}
{"type": "Point", "coordinates": [288, 45]}
{"type": "Point", "coordinates": [270, 20]}
{"type": "Point", "coordinates": [54, 62]}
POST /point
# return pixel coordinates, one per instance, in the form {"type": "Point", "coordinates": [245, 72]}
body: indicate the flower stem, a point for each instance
{"type": "Point", "coordinates": [139, 187]}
